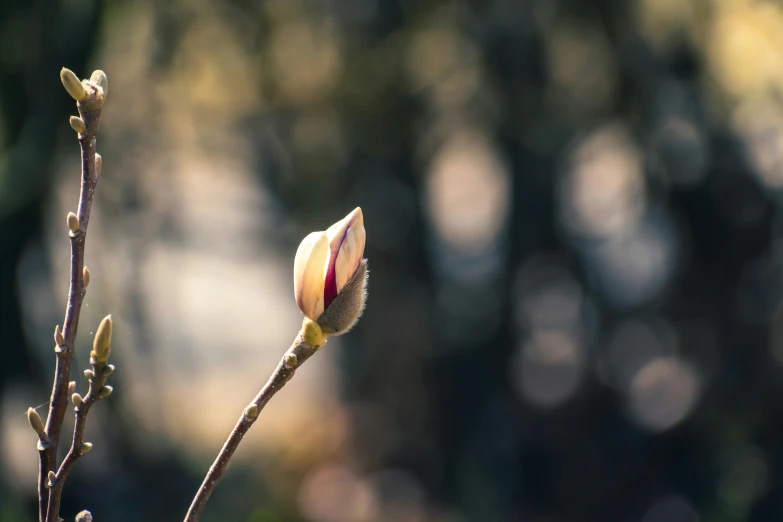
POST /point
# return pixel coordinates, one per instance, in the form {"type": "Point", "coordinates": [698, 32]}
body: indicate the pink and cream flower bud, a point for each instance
{"type": "Point", "coordinates": [329, 263]}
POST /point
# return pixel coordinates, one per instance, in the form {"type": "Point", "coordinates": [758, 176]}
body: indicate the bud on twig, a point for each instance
{"type": "Point", "coordinates": [35, 421]}
{"type": "Point", "coordinates": [105, 392]}
{"type": "Point", "coordinates": [101, 345]}
{"type": "Point", "coordinates": [77, 400]}
{"type": "Point", "coordinates": [290, 360]}
{"type": "Point", "coordinates": [251, 412]}
{"type": "Point", "coordinates": [73, 223]}
{"type": "Point", "coordinates": [52, 476]}
{"type": "Point", "coordinates": [85, 447]}
{"type": "Point", "coordinates": [72, 84]}
{"type": "Point", "coordinates": [78, 125]}
{"type": "Point", "coordinates": [86, 276]}
{"type": "Point", "coordinates": [84, 516]}
{"type": "Point", "coordinates": [330, 278]}
{"type": "Point", "coordinates": [99, 78]}
{"type": "Point", "coordinates": [98, 163]}
{"type": "Point", "coordinates": [71, 387]}
{"type": "Point", "coordinates": [108, 370]}
{"type": "Point", "coordinates": [59, 340]}
{"type": "Point", "coordinates": [89, 374]}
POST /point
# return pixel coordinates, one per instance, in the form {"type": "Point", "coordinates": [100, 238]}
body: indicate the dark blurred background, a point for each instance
{"type": "Point", "coordinates": [573, 231]}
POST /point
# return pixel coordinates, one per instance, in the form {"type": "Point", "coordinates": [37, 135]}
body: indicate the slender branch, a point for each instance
{"type": "Point", "coordinates": [76, 292]}
{"type": "Point", "coordinates": [297, 354]}
{"type": "Point", "coordinates": [96, 391]}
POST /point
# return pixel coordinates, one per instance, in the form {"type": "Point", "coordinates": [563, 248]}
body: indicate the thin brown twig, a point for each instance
{"type": "Point", "coordinates": [76, 292]}
{"type": "Point", "coordinates": [297, 354]}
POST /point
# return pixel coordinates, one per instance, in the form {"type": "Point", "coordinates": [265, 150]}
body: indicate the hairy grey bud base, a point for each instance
{"type": "Point", "coordinates": [341, 315]}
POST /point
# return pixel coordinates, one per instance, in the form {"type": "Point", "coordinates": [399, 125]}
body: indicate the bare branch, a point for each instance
{"type": "Point", "coordinates": [90, 113]}
{"type": "Point", "coordinates": [296, 355]}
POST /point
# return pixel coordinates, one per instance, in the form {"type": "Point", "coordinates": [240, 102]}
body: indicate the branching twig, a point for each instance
{"type": "Point", "coordinates": [297, 354]}
{"type": "Point", "coordinates": [97, 390]}
{"type": "Point", "coordinates": [90, 97]}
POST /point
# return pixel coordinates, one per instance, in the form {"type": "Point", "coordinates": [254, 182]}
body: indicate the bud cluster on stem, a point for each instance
{"type": "Point", "coordinates": [90, 95]}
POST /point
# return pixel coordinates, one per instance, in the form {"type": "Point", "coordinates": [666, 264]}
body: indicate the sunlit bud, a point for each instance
{"type": "Point", "coordinates": [326, 262]}
{"type": "Point", "coordinates": [251, 412]}
{"type": "Point", "coordinates": [108, 370]}
{"type": "Point", "coordinates": [290, 360]}
{"type": "Point", "coordinates": [98, 163]}
{"type": "Point", "coordinates": [72, 84]}
{"type": "Point", "coordinates": [59, 340]}
{"type": "Point", "coordinates": [73, 222]}
{"type": "Point", "coordinates": [84, 516]}
{"type": "Point", "coordinates": [89, 374]}
{"type": "Point", "coordinates": [105, 392]}
{"type": "Point", "coordinates": [52, 476]}
{"type": "Point", "coordinates": [101, 345]}
{"type": "Point", "coordinates": [78, 125]}
{"type": "Point", "coordinates": [77, 400]}
{"type": "Point", "coordinates": [85, 447]}
{"type": "Point", "coordinates": [99, 78]}
{"type": "Point", "coordinates": [35, 421]}
{"type": "Point", "coordinates": [71, 387]}
{"type": "Point", "coordinates": [86, 276]}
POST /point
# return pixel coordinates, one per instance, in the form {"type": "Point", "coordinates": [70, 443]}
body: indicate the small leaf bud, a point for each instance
{"type": "Point", "coordinates": [72, 84]}
{"type": "Point", "coordinates": [73, 223]}
{"type": "Point", "coordinates": [99, 78]}
{"type": "Point", "coordinates": [86, 276]}
{"type": "Point", "coordinates": [35, 421]}
{"type": "Point", "coordinates": [101, 345]}
{"type": "Point", "coordinates": [78, 125]}
{"type": "Point", "coordinates": [251, 412]}
{"type": "Point", "coordinates": [59, 340]}
{"type": "Point", "coordinates": [290, 360]}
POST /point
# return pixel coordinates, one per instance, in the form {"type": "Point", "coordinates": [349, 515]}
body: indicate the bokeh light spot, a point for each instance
{"type": "Point", "coordinates": [548, 368]}
{"type": "Point", "coordinates": [663, 392]}
{"type": "Point", "coordinates": [603, 192]}
{"type": "Point", "coordinates": [335, 494]}
{"type": "Point", "coordinates": [468, 193]}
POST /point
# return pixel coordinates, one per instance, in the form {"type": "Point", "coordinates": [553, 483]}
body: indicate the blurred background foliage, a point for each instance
{"type": "Point", "coordinates": [573, 217]}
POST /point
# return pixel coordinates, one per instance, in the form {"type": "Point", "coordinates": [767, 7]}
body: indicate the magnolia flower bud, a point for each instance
{"type": "Point", "coordinates": [329, 265]}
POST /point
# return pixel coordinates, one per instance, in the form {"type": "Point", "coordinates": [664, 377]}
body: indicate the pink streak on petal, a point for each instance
{"type": "Point", "coordinates": [330, 281]}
